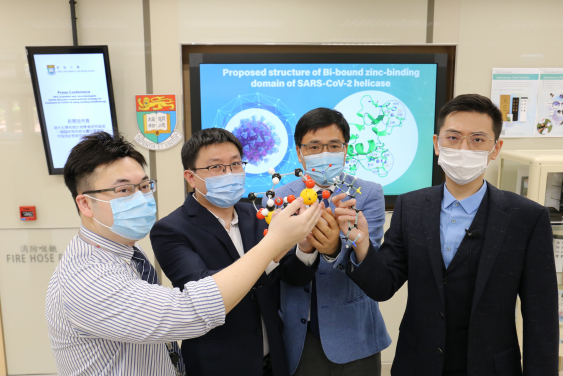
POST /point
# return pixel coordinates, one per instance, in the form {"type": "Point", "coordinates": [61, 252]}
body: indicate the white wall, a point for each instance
{"type": "Point", "coordinates": [499, 33]}
{"type": "Point", "coordinates": [23, 168]}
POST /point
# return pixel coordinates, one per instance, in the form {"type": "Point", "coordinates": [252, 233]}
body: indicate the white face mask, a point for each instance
{"type": "Point", "coordinates": [462, 165]}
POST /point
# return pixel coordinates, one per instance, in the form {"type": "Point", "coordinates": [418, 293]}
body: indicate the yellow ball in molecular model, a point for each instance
{"type": "Point", "coordinates": [268, 218]}
{"type": "Point", "coordinates": [309, 196]}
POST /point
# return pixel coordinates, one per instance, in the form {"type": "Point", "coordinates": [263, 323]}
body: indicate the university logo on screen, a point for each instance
{"type": "Point", "coordinates": [156, 118]}
{"type": "Point", "coordinates": [51, 69]}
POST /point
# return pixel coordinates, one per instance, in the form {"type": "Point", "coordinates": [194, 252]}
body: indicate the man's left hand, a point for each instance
{"type": "Point", "coordinates": [325, 236]}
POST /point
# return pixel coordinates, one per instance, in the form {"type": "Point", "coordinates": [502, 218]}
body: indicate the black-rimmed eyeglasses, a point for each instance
{"type": "Point", "coordinates": [222, 168]}
{"type": "Point", "coordinates": [129, 189]}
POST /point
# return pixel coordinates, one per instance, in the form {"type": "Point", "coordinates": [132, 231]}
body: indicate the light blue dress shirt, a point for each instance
{"type": "Point", "coordinates": [455, 217]}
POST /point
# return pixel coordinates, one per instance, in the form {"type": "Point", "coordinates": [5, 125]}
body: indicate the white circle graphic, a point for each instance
{"type": "Point", "coordinates": [383, 136]}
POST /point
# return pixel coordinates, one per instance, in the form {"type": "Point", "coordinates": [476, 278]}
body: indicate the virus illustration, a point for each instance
{"type": "Point", "coordinates": [258, 139]}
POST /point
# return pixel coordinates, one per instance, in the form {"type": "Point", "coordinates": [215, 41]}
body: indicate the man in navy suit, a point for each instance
{"type": "Point", "coordinates": [331, 327]}
{"type": "Point", "coordinates": [211, 231]}
{"type": "Point", "coordinates": [468, 251]}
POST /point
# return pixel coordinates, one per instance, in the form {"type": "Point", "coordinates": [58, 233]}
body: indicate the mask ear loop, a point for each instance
{"type": "Point", "coordinates": [97, 199]}
{"type": "Point", "coordinates": [197, 176]}
{"type": "Point", "coordinates": [203, 180]}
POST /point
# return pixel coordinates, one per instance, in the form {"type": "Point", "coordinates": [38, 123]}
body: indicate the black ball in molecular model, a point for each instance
{"type": "Point", "coordinates": [270, 193]}
{"type": "Point", "coordinates": [252, 196]}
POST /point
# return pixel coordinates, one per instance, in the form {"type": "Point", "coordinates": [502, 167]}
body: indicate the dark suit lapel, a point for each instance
{"type": "Point", "coordinates": [497, 225]}
{"type": "Point", "coordinates": [205, 221]}
{"type": "Point", "coordinates": [247, 232]}
{"type": "Point", "coordinates": [431, 219]}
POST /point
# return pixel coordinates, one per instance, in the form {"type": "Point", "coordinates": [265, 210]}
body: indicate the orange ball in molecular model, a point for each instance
{"type": "Point", "coordinates": [326, 194]}
{"type": "Point", "coordinates": [279, 201]}
{"type": "Point", "coordinates": [309, 196]}
{"type": "Point", "coordinates": [290, 198]}
{"type": "Point", "coordinates": [310, 183]}
{"type": "Point", "coordinates": [259, 215]}
{"type": "Point", "coordinates": [269, 217]}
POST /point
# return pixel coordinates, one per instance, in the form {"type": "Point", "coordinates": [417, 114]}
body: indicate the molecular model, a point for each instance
{"type": "Point", "coordinates": [342, 186]}
{"type": "Point", "coordinates": [309, 196]}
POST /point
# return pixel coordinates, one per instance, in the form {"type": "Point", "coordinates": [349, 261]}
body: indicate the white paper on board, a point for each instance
{"type": "Point", "coordinates": [515, 92]}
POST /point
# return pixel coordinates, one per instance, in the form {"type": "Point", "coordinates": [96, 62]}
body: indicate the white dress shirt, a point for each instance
{"type": "Point", "coordinates": [234, 234]}
{"type": "Point", "coordinates": [103, 319]}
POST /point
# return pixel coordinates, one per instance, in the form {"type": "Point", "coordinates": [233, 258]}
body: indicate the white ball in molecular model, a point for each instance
{"type": "Point", "coordinates": [285, 200]}
{"type": "Point", "coordinates": [271, 171]}
{"type": "Point", "coordinates": [275, 181]}
{"type": "Point", "coordinates": [270, 203]}
{"type": "Point", "coordinates": [264, 212]}
{"type": "Point", "coordinates": [335, 179]}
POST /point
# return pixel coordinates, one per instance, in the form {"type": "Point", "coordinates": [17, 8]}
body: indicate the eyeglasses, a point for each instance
{"type": "Point", "coordinates": [316, 148]}
{"type": "Point", "coordinates": [219, 169]}
{"type": "Point", "coordinates": [475, 141]}
{"type": "Point", "coordinates": [129, 189]}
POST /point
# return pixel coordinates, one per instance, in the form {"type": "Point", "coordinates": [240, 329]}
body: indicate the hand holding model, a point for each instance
{"type": "Point", "coordinates": [346, 215]}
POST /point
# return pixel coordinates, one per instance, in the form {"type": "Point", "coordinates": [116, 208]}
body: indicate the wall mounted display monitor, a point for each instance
{"type": "Point", "coordinates": [389, 100]}
{"type": "Point", "coordinates": [74, 97]}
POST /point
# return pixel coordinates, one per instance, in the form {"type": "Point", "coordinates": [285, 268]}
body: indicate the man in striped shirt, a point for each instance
{"type": "Point", "coordinates": [105, 312]}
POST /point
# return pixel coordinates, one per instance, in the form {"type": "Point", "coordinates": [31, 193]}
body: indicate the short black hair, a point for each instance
{"type": "Point", "coordinates": [94, 150]}
{"type": "Point", "coordinates": [203, 138]}
{"type": "Point", "coordinates": [319, 118]}
{"type": "Point", "coordinates": [472, 103]}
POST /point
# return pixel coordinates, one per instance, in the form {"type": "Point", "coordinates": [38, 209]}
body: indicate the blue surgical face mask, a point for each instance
{"type": "Point", "coordinates": [133, 216]}
{"type": "Point", "coordinates": [225, 190]}
{"type": "Point", "coordinates": [327, 166]}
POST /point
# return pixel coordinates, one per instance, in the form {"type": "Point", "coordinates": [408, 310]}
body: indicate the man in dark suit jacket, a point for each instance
{"type": "Point", "coordinates": [209, 232]}
{"type": "Point", "coordinates": [468, 251]}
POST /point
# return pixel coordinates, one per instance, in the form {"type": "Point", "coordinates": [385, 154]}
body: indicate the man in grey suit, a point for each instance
{"type": "Point", "coordinates": [331, 327]}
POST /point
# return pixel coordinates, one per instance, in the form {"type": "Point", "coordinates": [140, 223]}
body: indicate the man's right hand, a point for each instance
{"type": "Point", "coordinates": [306, 247]}
{"type": "Point", "coordinates": [287, 230]}
{"type": "Point", "coordinates": [345, 216]}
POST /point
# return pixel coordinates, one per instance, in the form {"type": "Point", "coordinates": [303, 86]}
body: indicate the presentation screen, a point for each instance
{"type": "Point", "coordinates": [390, 107]}
{"type": "Point", "coordinates": [74, 97]}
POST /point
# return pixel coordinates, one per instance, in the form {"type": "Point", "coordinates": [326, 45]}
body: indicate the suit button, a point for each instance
{"type": "Point", "coordinates": [442, 315]}
{"type": "Point", "coordinates": [445, 281]}
{"type": "Point", "coordinates": [258, 332]}
{"type": "Point", "coordinates": [306, 289]}
{"type": "Point", "coordinates": [440, 352]}
{"type": "Point", "coordinates": [303, 321]}
{"type": "Point", "coordinates": [253, 296]}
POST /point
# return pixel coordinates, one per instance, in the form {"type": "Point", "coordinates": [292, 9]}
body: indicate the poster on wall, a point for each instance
{"type": "Point", "coordinates": [515, 92]}
{"type": "Point", "coordinates": [390, 109]}
{"type": "Point", "coordinates": [549, 119]}
{"type": "Point", "coordinates": [156, 119]}
{"type": "Point", "coordinates": [73, 95]}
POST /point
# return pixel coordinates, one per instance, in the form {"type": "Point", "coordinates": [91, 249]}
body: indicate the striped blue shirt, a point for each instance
{"type": "Point", "coordinates": [104, 319]}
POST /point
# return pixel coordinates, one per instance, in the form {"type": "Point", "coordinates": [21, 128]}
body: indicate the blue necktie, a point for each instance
{"type": "Point", "coordinates": [148, 273]}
